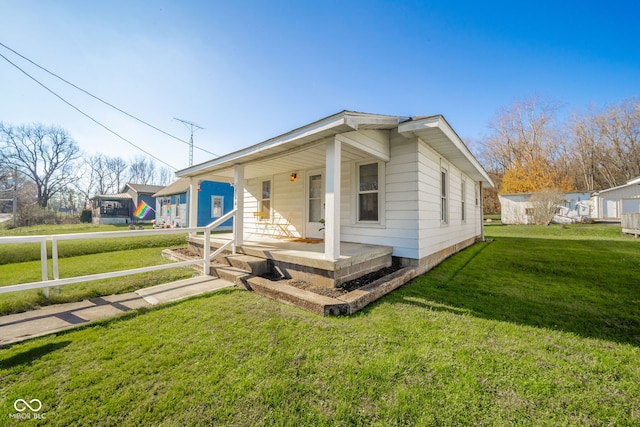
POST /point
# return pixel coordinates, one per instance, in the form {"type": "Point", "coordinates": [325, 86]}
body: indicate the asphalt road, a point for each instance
{"type": "Point", "coordinates": [5, 217]}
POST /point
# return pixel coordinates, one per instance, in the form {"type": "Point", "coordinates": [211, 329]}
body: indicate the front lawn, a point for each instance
{"type": "Point", "coordinates": [523, 330]}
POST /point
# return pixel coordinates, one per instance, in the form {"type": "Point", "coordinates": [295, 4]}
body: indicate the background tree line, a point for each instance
{"type": "Point", "coordinates": [54, 174]}
{"type": "Point", "coordinates": [530, 148]}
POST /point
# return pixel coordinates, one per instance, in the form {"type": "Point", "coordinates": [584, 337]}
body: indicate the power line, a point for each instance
{"type": "Point", "coordinates": [105, 102]}
{"type": "Point", "coordinates": [85, 114]}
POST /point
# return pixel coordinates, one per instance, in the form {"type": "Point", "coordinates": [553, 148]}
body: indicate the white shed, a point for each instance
{"type": "Point", "coordinates": [518, 209]}
{"type": "Point", "coordinates": [408, 183]}
{"type": "Point", "coordinates": [611, 203]}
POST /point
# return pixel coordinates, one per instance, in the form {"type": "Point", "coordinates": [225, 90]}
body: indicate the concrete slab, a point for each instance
{"type": "Point", "coordinates": [182, 289]}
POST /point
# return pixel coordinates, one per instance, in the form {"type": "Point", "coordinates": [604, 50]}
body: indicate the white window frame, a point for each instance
{"type": "Point", "coordinates": [213, 204]}
{"type": "Point", "coordinates": [267, 213]}
{"type": "Point", "coordinates": [355, 217]}
{"type": "Point", "coordinates": [444, 196]}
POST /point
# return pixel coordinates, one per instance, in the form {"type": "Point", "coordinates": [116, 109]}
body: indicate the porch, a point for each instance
{"type": "Point", "coordinates": [300, 259]}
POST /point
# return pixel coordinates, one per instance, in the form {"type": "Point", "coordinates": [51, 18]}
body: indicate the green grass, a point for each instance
{"type": "Point", "coordinates": [523, 330]}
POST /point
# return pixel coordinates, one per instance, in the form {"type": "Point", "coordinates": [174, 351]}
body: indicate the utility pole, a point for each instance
{"type": "Point", "coordinates": [191, 126]}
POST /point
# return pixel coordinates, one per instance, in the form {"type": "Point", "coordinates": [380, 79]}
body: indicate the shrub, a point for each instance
{"type": "Point", "coordinates": [85, 216]}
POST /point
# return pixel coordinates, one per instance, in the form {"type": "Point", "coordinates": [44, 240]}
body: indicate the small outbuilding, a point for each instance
{"type": "Point", "coordinates": [611, 203]}
{"type": "Point", "coordinates": [518, 208]}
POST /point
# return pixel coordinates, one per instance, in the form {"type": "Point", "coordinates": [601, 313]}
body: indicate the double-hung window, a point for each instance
{"type": "Point", "coordinates": [368, 187]}
{"type": "Point", "coordinates": [265, 203]}
{"type": "Point", "coordinates": [463, 193]}
{"type": "Point", "coordinates": [444, 190]}
{"type": "Point", "coordinates": [217, 203]}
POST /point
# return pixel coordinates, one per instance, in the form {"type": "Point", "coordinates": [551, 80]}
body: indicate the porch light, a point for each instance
{"type": "Point", "coordinates": [293, 177]}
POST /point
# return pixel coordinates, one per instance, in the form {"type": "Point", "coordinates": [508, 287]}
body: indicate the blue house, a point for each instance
{"type": "Point", "coordinates": [214, 200]}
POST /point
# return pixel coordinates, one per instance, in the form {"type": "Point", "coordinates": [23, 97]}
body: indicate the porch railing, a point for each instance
{"type": "Point", "coordinates": [45, 283]}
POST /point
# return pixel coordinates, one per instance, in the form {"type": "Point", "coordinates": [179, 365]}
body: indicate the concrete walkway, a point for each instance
{"type": "Point", "coordinates": [47, 320]}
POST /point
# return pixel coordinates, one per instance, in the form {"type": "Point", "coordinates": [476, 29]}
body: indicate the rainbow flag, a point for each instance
{"type": "Point", "coordinates": [142, 210]}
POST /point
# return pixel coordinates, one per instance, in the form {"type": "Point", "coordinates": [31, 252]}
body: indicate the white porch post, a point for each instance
{"type": "Point", "coordinates": [332, 200]}
{"type": "Point", "coordinates": [238, 203]}
{"type": "Point", "coordinates": [193, 202]}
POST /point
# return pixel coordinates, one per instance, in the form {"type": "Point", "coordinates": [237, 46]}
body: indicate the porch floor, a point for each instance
{"type": "Point", "coordinates": [304, 253]}
{"type": "Point", "coordinates": [304, 260]}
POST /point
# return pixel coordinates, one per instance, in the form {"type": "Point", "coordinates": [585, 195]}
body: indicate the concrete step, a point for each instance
{"type": "Point", "coordinates": [250, 264]}
{"type": "Point", "coordinates": [280, 291]}
{"type": "Point", "coordinates": [231, 274]}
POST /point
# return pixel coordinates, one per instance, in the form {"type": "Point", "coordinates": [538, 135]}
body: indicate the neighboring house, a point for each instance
{"type": "Point", "coordinates": [408, 183]}
{"type": "Point", "coordinates": [119, 208]}
{"type": "Point", "coordinates": [518, 209]}
{"type": "Point", "coordinates": [609, 204]}
{"type": "Point", "coordinates": [214, 200]}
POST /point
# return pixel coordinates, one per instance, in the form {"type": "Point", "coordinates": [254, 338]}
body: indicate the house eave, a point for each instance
{"type": "Point", "coordinates": [436, 132]}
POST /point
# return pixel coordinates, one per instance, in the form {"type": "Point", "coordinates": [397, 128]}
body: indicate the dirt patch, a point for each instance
{"type": "Point", "coordinates": [346, 287]}
{"type": "Point", "coordinates": [185, 252]}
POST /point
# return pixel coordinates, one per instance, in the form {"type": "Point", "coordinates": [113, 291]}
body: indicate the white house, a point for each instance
{"type": "Point", "coordinates": [408, 183]}
{"type": "Point", "coordinates": [517, 208]}
{"type": "Point", "coordinates": [612, 202]}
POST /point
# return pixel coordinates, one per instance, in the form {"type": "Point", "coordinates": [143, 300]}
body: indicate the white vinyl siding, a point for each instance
{"type": "Point", "coordinates": [433, 236]}
{"type": "Point", "coordinates": [409, 201]}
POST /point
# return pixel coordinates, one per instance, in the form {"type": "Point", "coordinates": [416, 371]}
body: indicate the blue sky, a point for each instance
{"type": "Point", "coordinates": [247, 71]}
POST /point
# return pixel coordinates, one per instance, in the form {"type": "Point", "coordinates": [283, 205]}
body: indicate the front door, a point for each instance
{"type": "Point", "coordinates": [314, 229]}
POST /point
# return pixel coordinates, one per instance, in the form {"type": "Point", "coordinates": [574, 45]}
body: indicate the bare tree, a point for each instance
{"type": "Point", "coordinates": [606, 145]}
{"type": "Point", "coordinates": [525, 147]}
{"type": "Point", "coordinates": [164, 176]}
{"type": "Point", "coordinates": [118, 166]}
{"type": "Point", "coordinates": [545, 204]}
{"type": "Point", "coordinates": [47, 155]}
{"type": "Point", "coordinates": [142, 170]}
{"type": "Point", "coordinates": [523, 132]}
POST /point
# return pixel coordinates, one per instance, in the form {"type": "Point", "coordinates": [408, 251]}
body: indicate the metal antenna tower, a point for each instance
{"type": "Point", "coordinates": [191, 126]}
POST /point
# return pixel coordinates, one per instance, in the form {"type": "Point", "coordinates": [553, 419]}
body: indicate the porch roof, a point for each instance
{"type": "Point", "coordinates": [303, 148]}
{"type": "Point", "coordinates": [178, 187]}
{"type": "Point", "coordinates": [113, 197]}
{"type": "Point", "coordinates": [270, 153]}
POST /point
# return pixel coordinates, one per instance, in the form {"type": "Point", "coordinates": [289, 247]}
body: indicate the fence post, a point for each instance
{"type": "Point", "coordinates": [207, 251]}
{"type": "Point", "coordinates": [43, 261]}
{"type": "Point", "coordinates": [54, 258]}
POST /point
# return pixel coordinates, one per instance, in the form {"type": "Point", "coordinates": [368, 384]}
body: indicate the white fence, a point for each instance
{"type": "Point", "coordinates": [45, 283]}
